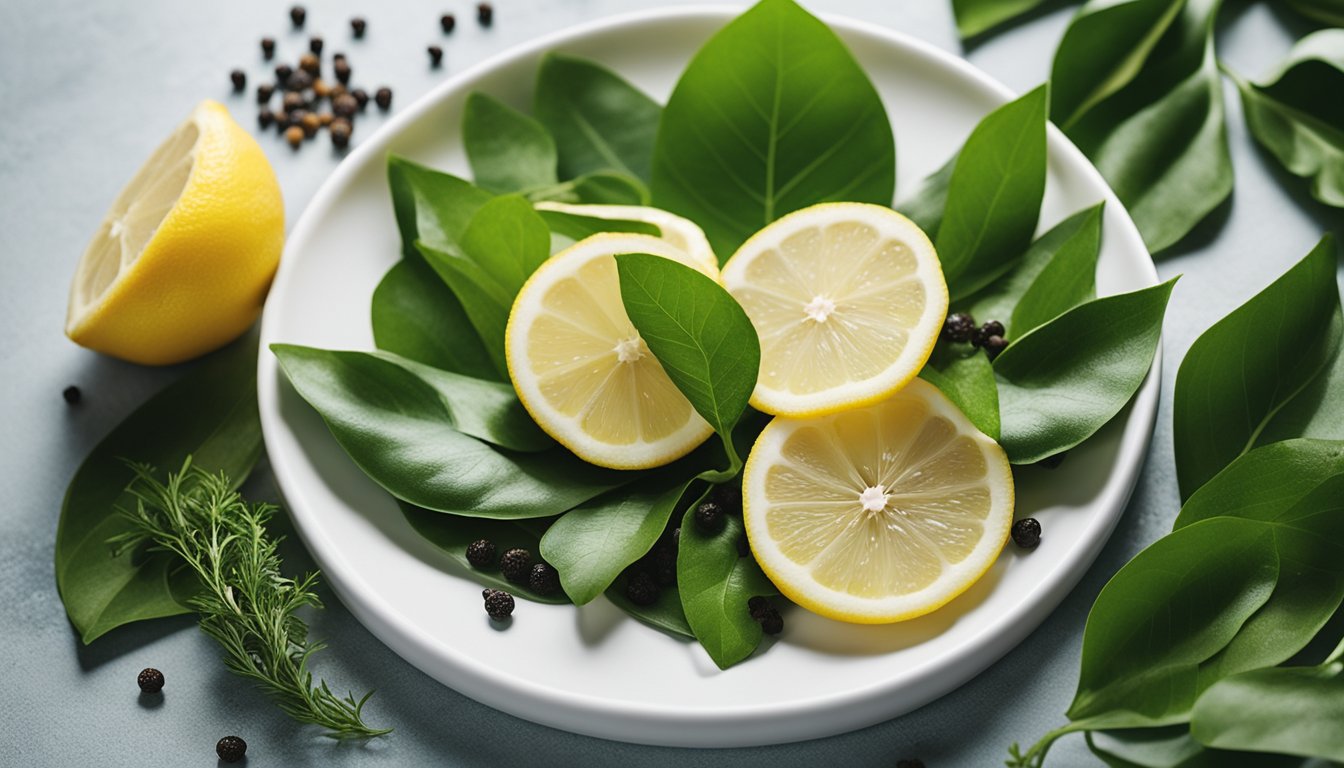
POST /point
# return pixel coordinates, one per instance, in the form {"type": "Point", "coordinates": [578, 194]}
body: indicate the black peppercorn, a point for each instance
{"type": "Point", "coordinates": [709, 517]}
{"type": "Point", "coordinates": [990, 328]}
{"type": "Point", "coordinates": [150, 680]}
{"type": "Point", "coordinates": [1053, 462]}
{"type": "Point", "coordinates": [357, 27]}
{"type": "Point", "coordinates": [771, 622]}
{"type": "Point", "coordinates": [435, 55]}
{"type": "Point", "coordinates": [485, 14]}
{"type": "Point", "coordinates": [362, 97]}
{"type": "Point", "coordinates": [341, 68]}
{"type": "Point", "coordinates": [282, 73]}
{"type": "Point", "coordinates": [294, 135]}
{"type": "Point", "coordinates": [544, 580]}
{"type": "Point", "coordinates": [344, 105]}
{"type": "Point", "coordinates": [757, 606]}
{"type": "Point", "coordinates": [481, 552]}
{"type": "Point", "coordinates": [281, 121]}
{"type": "Point", "coordinates": [310, 123]}
{"type": "Point", "coordinates": [516, 564]}
{"type": "Point", "coordinates": [231, 749]}
{"type": "Point", "coordinates": [1027, 533]}
{"type": "Point", "coordinates": [299, 81]}
{"type": "Point", "coordinates": [310, 63]}
{"type": "Point", "coordinates": [994, 345]}
{"type": "Point", "coordinates": [265, 117]}
{"type": "Point", "coordinates": [498, 603]}
{"type": "Point", "coordinates": [297, 14]}
{"type": "Point", "coordinates": [959, 327]}
{"type": "Point", "coordinates": [239, 80]}
{"type": "Point", "coordinates": [448, 22]}
{"type": "Point", "coordinates": [340, 133]}
{"type": "Point", "coordinates": [641, 588]}
{"type": "Point", "coordinates": [72, 395]}
{"type": "Point", "coordinates": [914, 763]}
{"type": "Point", "coordinates": [315, 45]}
{"type": "Point", "coordinates": [267, 48]}
{"type": "Point", "coordinates": [383, 98]}
{"type": "Point", "coordinates": [264, 92]}
{"type": "Point", "coordinates": [293, 100]}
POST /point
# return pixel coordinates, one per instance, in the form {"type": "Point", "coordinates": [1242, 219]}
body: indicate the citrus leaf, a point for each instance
{"type": "Point", "coordinates": [600, 122]}
{"type": "Point", "coordinates": [429, 205]}
{"type": "Point", "coordinates": [508, 150]}
{"type": "Point", "coordinates": [969, 383]}
{"type": "Point", "coordinates": [975, 17]}
{"type": "Point", "coordinates": [416, 315]}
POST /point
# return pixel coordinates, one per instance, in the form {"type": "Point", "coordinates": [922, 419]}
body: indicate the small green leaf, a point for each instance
{"type": "Point", "coordinates": [596, 188]}
{"type": "Point", "coordinates": [430, 205]}
{"type": "Point", "coordinates": [416, 315]}
{"type": "Point", "coordinates": [773, 114]}
{"type": "Point", "coordinates": [1266, 480]}
{"type": "Point", "coordinates": [600, 122]}
{"type": "Point", "coordinates": [576, 227]}
{"type": "Point", "coordinates": [1242, 372]}
{"type": "Point", "coordinates": [485, 302]}
{"type": "Point", "coordinates": [508, 151]}
{"type": "Point", "coordinates": [994, 195]}
{"type": "Point", "coordinates": [1289, 116]}
{"type": "Point", "coordinates": [700, 335]}
{"type": "Point", "coordinates": [1063, 381]}
{"type": "Point", "coordinates": [715, 586]}
{"type": "Point", "coordinates": [210, 414]}
{"type": "Point", "coordinates": [665, 613]}
{"type": "Point", "coordinates": [398, 429]}
{"type": "Point", "coordinates": [969, 383]}
{"type": "Point", "coordinates": [975, 17]}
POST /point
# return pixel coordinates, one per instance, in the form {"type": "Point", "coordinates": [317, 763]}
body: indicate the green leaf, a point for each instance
{"type": "Point", "coordinates": [665, 613]}
{"type": "Point", "coordinates": [969, 383]}
{"type": "Point", "coordinates": [508, 151]}
{"type": "Point", "coordinates": [398, 429]}
{"type": "Point", "coordinates": [700, 335]}
{"type": "Point", "coordinates": [1057, 274]}
{"type": "Point", "coordinates": [454, 533]}
{"type": "Point", "coordinates": [975, 17]}
{"type": "Point", "coordinates": [1289, 116]}
{"type": "Point", "coordinates": [1063, 381]}
{"type": "Point", "coordinates": [596, 188]}
{"type": "Point", "coordinates": [994, 195]}
{"type": "Point", "coordinates": [773, 114]}
{"type": "Point", "coordinates": [1172, 747]}
{"type": "Point", "coordinates": [576, 227]}
{"type": "Point", "coordinates": [1242, 372]}
{"type": "Point", "coordinates": [1161, 141]}
{"type": "Point", "coordinates": [594, 542]}
{"type": "Point", "coordinates": [429, 205]}
{"type": "Point", "coordinates": [1266, 480]}
{"type": "Point", "coordinates": [715, 586]}
{"type": "Point", "coordinates": [416, 315]}
{"type": "Point", "coordinates": [210, 414]}
{"type": "Point", "coordinates": [1325, 11]}
{"type": "Point", "coordinates": [485, 302]}
{"type": "Point", "coordinates": [1294, 710]}
{"type": "Point", "coordinates": [926, 206]}
{"type": "Point", "coordinates": [600, 122]}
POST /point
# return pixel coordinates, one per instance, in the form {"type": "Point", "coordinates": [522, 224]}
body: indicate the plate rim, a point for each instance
{"type": "Point", "coordinates": [645, 722]}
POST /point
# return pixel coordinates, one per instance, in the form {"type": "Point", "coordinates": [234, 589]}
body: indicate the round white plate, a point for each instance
{"type": "Point", "coordinates": [592, 669]}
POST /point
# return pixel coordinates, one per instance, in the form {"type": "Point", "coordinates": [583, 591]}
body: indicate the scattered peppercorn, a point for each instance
{"type": "Point", "coordinates": [231, 749]}
{"type": "Point", "coordinates": [357, 27]}
{"type": "Point", "coordinates": [298, 14]}
{"type": "Point", "coordinates": [282, 73]}
{"type": "Point", "coordinates": [310, 63]}
{"type": "Point", "coordinates": [435, 55]}
{"type": "Point", "coordinates": [994, 345]}
{"type": "Point", "coordinates": [296, 116]}
{"type": "Point", "coordinates": [264, 118]}
{"type": "Point", "coordinates": [299, 81]}
{"type": "Point", "coordinates": [959, 327]}
{"type": "Point", "coordinates": [294, 135]}
{"type": "Point", "coordinates": [340, 133]}
{"type": "Point", "coordinates": [320, 89]}
{"type": "Point", "coordinates": [150, 680]}
{"type": "Point", "coordinates": [910, 764]}
{"type": "Point", "coordinates": [544, 579]}
{"type": "Point", "coordinates": [485, 14]}
{"type": "Point", "coordinates": [239, 80]}
{"type": "Point", "coordinates": [515, 564]}
{"type": "Point", "coordinates": [362, 98]}
{"type": "Point", "coordinates": [1053, 462]}
{"type": "Point", "coordinates": [771, 622]}
{"type": "Point", "coordinates": [757, 606]}
{"type": "Point", "coordinates": [264, 93]}
{"type": "Point", "coordinates": [325, 119]}
{"type": "Point", "coordinates": [383, 98]}
{"type": "Point", "coordinates": [498, 603]}
{"type": "Point", "coordinates": [641, 588]}
{"type": "Point", "coordinates": [267, 48]}
{"type": "Point", "coordinates": [344, 105]}
{"type": "Point", "coordinates": [310, 123]}
{"type": "Point", "coordinates": [72, 395]}
{"type": "Point", "coordinates": [448, 22]}
{"type": "Point", "coordinates": [709, 517]}
{"type": "Point", "coordinates": [315, 45]}
{"type": "Point", "coordinates": [341, 68]}
{"type": "Point", "coordinates": [990, 328]}
{"type": "Point", "coordinates": [293, 100]}
{"type": "Point", "coordinates": [1027, 533]}
{"type": "Point", "coordinates": [481, 553]}
{"type": "Point", "coordinates": [281, 121]}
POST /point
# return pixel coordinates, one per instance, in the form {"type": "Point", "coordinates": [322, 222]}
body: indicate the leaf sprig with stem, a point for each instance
{"type": "Point", "coordinates": [245, 604]}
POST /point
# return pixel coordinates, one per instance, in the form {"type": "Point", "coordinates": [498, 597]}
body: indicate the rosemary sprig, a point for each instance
{"type": "Point", "coordinates": [245, 603]}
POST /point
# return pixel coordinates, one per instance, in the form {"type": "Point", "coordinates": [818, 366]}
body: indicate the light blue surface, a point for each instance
{"type": "Point", "coordinates": [90, 89]}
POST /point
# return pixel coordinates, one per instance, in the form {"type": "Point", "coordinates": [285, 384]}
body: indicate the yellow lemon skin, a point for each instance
{"type": "Point", "coordinates": [201, 279]}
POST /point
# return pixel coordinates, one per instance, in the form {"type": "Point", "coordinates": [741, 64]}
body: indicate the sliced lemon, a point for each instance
{"type": "Point", "coordinates": [680, 232]}
{"type": "Point", "coordinates": [848, 300]}
{"type": "Point", "coordinates": [881, 513]}
{"type": "Point", "coordinates": [181, 263]}
{"type": "Point", "coordinates": [581, 369]}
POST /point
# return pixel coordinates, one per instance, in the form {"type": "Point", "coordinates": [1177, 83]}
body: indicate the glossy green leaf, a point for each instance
{"type": "Point", "coordinates": [596, 188]}
{"type": "Point", "coordinates": [665, 613]}
{"type": "Point", "coordinates": [1057, 273]}
{"type": "Point", "coordinates": [773, 114]}
{"type": "Point", "coordinates": [399, 430]}
{"type": "Point", "coordinates": [1172, 747]}
{"type": "Point", "coordinates": [968, 381]}
{"type": "Point", "coordinates": [1292, 118]}
{"type": "Point", "coordinates": [508, 150]}
{"type": "Point", "coordinates": [485, 302]}
{"type": "Point", "coordinates": [975, 17]}
{"type": "Point", "coordinates": [429, 205]}
{"type": "Point", "coordinates": [994, 195]}
{"type": "Point", "coordinates": [594, 542]}
{"type": "Point", "coordinates": [600, 122]}
{"type": "Point", "coordinates": [715, 584]}
{"type": "Point", "coordinates": [1063, 381]}
{"type": "Point", "coordinates": [700, 335]}
{"type": "Point", "coordinates": [576, 227]}
{"type": "Point", "coordinates": [416, 315]}
{"type": "Point", "coordinates": [1325, 11]}
{"type": "Point", "coordinates": [210, 414]}
{"type": "Point", "coordinates": [926, 206]}
{"type": "Point", "coordinates": [1266, 480]}
{"type": "Point", "coordinates": [1242, 372]}
{"type": "Point", "coordinates": [454, 533]}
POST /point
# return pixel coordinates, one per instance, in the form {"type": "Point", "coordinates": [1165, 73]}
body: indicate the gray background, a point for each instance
{"type": "Point", "coordinates": [90, 89]}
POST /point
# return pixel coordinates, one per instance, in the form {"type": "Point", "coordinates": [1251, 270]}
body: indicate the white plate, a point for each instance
{"type": "Point", "coordinates": [592, 669]}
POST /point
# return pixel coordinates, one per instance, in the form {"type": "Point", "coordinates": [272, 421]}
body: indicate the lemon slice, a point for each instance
{"type": "Point", "coordinates": [181, 263]}
{"type": "Point", "coordinates": [682, 233]}
{"type": "Point", "coordinates": [848, 300]}
{"type": "Point", "coordinates": [581, 369]}
{"type": "Point", "coordinates": [878, 514]}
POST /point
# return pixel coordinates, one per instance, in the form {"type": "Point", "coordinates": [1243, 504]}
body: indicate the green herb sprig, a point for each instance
{"type": "Point", "coordinates": [245, 604]}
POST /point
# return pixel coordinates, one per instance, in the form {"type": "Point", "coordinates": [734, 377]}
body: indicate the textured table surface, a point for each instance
{"type": "Point", "coordinates": [92, 88]}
